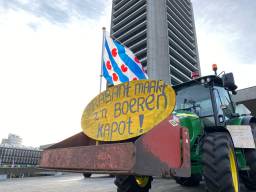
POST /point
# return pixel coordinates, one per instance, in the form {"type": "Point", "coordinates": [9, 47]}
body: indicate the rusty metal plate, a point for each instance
{"type": "Point", "coordinates": [102, 157]}
{"type": "Point", "coordinates": [185, 169]}
{"type": "Point", "coordinates": [159, 152]}
{"type": "Point", "coordinates": [79, 139]}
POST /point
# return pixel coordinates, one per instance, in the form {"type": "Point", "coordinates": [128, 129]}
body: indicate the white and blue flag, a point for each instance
{"type": "Point", "coordinates": [120, 64]}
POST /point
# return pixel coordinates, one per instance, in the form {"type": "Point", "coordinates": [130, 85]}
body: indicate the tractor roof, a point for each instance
{"type": "Point", "coordinates": [217, 80]}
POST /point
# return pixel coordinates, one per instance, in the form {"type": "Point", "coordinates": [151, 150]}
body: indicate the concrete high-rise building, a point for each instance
{"type": "Point", "coordinates": [162, 35]}
{"type": "Point", "coordinates": [12, 140]}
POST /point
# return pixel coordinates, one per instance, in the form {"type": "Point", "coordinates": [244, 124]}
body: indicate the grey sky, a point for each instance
{"type": "Point", "coordinates": [232, 19]}
{"type": "Point", "coordinates": [49, 65]}
{"type": "Point", "coordinates": [58, 11]}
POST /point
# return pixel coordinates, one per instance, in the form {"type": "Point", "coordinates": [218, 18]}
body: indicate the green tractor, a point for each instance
{"type": "Point", "coordinates": [204, 106]}
{"type": "Point", "coordinates": [131, 131]}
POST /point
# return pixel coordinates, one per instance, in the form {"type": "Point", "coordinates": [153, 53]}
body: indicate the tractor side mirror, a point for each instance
{"type": "Point", "coordinates": [229, 82]}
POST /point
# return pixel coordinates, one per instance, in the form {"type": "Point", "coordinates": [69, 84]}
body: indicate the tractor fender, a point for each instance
{"type": "Point", "coordinates": [216, 129]}
{"type": "Point", "coordinates": [247, 120]}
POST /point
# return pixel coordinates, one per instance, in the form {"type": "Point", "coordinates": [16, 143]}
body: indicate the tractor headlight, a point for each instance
{"type": "Point", "coordinates": [208, 79]}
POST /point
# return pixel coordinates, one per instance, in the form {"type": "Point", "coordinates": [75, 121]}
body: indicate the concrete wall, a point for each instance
{"type": "Point", "coordinates": [158, 55]}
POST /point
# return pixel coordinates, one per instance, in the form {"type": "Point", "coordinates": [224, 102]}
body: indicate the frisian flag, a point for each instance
{"type": "Point", "coordinates": [120, 64]}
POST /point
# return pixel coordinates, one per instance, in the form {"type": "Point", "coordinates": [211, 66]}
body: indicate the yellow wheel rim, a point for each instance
{"type": "Point", "coordinates": [142, 181]}
{"type": "Point", "coordinates": [233, 168]}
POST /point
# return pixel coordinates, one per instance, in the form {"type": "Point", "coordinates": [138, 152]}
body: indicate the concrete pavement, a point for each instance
{"type": "Point", "coordinates": [77, 183]}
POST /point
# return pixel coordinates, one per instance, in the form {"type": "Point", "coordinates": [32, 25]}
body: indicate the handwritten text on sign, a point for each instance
{"type": "Point", "coordinates": [128, 110]}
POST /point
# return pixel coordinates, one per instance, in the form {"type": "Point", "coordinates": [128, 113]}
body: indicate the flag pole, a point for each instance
{"type": "Point", "coordinates": [103, 39]}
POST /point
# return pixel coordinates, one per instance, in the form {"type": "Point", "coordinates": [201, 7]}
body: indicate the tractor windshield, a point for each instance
{"type": "Point", "coordinates": [196, 99]}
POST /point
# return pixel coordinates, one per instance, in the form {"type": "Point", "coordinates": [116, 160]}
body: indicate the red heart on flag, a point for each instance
{"type": "Point", "coordinates": [124, 68]}
{"type": "Point", "coordinates": [115, 77]}
{"type": "Point", "coordinates": [114, 52]}
{"type": "Point", "coordinates": [109, 67]}
{"type": "Point", "coordinates": [137, 60]}
{"type": "Point", "coordinates": [135, 78]}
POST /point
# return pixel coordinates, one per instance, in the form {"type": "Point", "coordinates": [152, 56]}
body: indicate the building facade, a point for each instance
{"type": "Point", "coordinates": [12, 140]}
{"type": "Point", "coordinates": [14, 154]}
{"type": "Point", "coordinates": [161, 34]}
{"type": "Point", "coordinates": [11, 156]}
{"type": "Point", "coordinates": [247, 97]}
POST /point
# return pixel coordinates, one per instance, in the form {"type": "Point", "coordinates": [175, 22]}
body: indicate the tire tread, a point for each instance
{"type": "Point", "coordinates": [216, 165]}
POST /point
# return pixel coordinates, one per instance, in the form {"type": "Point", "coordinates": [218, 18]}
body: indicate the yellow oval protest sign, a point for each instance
{"type": "Point", "coordinates": [128, 110]}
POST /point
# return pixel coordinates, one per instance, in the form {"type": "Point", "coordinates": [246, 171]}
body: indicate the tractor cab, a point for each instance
{"type": "Point", "coordinates": [209, 98]}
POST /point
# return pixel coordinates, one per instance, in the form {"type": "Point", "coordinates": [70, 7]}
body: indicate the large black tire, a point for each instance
{"type": "Point", "coordinates": [129, 184]}
{"type": "Point", "coordinates": [87, 175]}
{"type": "Point", "coordinates": [249, 177]}
{"type": "Point", "coordinates": [219, 163]}
{"type": "Point", "coordinates": [194, 180]}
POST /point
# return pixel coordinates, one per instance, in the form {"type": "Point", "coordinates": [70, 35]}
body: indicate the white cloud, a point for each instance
{"type": "Point", "coordinates": [48, 73]}
{"type": "Point", "coordinates": [214, 48]}
{"type": "Point", "coordinates": [225, 35]}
